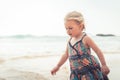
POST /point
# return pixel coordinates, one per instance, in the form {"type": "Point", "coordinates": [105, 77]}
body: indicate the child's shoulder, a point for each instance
{"type": "Point", "coordinates": [87, 38]}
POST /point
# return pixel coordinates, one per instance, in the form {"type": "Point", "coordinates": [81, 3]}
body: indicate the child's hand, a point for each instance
{"type": "Point", "coordinates": [105, 69]}
{"type": "Point", "coordinates": [54, 70]}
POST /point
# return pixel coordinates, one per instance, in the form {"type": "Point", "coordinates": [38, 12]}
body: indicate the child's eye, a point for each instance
{"type": "Point", "coordinates": [66, 28]}
{"type": "Point", "coordinates": [70, 28]}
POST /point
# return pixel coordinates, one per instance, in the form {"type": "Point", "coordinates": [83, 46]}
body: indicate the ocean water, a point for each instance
{"type": "Point", "coordinates": [20, 45]}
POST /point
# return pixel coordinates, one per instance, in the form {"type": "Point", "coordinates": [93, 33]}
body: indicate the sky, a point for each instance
{"type": "Point", "coordinates": [46, 17]}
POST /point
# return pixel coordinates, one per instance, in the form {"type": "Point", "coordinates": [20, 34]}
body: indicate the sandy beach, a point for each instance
{"type": "Point", "coordinates": [31, 68]}
{"type": "Point", "coordinates": [37, 67]}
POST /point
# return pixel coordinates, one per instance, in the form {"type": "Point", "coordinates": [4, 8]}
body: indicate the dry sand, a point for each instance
{"type": "Point", "coordinates": [31, 68]}
{"type": "Point", "coordinates": [38, 68]}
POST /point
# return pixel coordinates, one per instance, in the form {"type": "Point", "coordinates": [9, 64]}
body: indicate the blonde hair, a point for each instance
{"type": "Point", "coordinates": [74, 15]}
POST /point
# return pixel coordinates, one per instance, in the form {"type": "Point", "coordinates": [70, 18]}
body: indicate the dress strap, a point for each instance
{"type": "Point", "coordinates": [84, 34]}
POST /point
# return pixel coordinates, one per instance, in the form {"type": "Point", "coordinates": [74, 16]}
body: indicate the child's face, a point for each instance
{"type": "Point", "coordinates": [73, 28]}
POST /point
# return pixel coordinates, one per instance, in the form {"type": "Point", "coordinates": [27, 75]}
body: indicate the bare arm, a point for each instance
{"type": "Point", "coordinates": [62, 60]}
{"type": "Point", "coordinates": [90, 43]}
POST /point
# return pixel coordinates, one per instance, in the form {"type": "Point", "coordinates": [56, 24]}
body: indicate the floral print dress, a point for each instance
{"type": "Point", "coordinates": [83, 65]}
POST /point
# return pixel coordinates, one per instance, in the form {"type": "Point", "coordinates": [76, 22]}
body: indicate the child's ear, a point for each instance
{"type": "Point", "coordinates": [82, 26]}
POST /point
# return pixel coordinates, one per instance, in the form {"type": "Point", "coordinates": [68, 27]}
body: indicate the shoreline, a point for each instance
{"type": "Point", "coordinates": [35, 67]}
{"type": "Point", "coordinates": [31, 68]}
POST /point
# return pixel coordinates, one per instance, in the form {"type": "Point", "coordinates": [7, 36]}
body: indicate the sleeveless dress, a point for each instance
{"type": "Point", "coordinates": [83, 65]}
